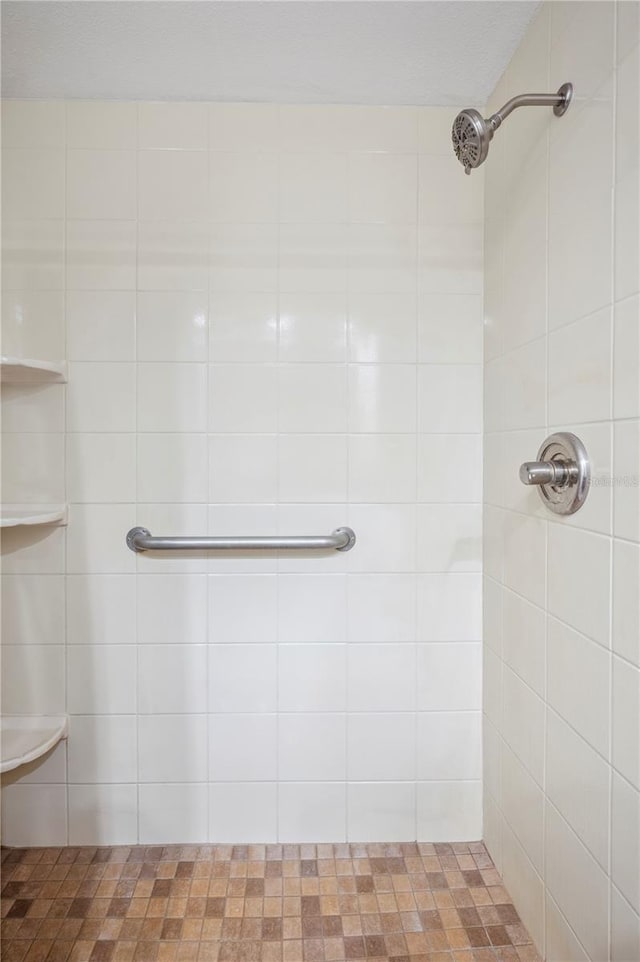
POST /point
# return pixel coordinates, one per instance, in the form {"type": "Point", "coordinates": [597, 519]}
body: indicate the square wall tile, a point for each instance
{"type": "Point", "coordinates": [312, 747]}
{"type": "Point", "coordinates": [243, 327]}
{"type": "Point", "coordinates": [102, 749]}
{"type": "Point", "coordinates": [312, 608]}
{"type": "Point", "coordinates": [382, 467]}
{"type": "Point", "coordinates": [449, 399]}
{"type": "Point", "coordinates": [101, 609]}
{"type": "Point", "coordinates": [577, 558]}
{"type": "Point", "coordinates": [101, 255]}
{"type": "Point", "coordinates": [33, 183]}
{"type": "Point", "coordinates": [313, 188]}
{"type": "Point", "coordinates": [381, 678]}
{"type": "Point", "coordinates": [171, 608]}
{"type": "Point", "coordinates": [101, 184]}
{"type": "Point", "coordinates": [172, 679]}
{"type": "Point", "coordinates": [381, 810]}
{"type": "Point", "coordinates": [34, 815]}
{"type": "Point", "coordinates": [312, 468]}
{"type": "Point", "coordinates": [103, 814]}
{"type": "Point", "coordinates": [449, 677]}
{"type": "Point", "coordinates": [381, 607]}
{"type": "Point", "coordinates": [578, 675]}
{"type": "Point", "coordinates": [383, 188]}
{"type": "Point", "coordinates": [172, 468]}
{"type": "Point", "coordinates": [101, 679]}
{"type": "Point", "coordinates": [382, 327]}
{"type": "Point", "coordinates": [309, 810]}
{"type": "Point", "coordinates": [173, 185]}
{"type": "Point", "coordinates": [312, 678]}
{"type": "Point", "coordinates": [312, 327]}
{"type": "Point", "coordinates": [449, 746]}
{"type": "Point", "coordinates": [312, 398]}
{"type": "Point", "coordinates": [449, 537]}
{"type": "Point", "coordinates": [449, 468]}
{"type": "Point", "coordinates": [449, 607]}
{"type": "Point", "coordinates": [168, 812]}
{"type": "Point", "coordinates": [33, 254]}
{"type": "Point", "coordinates": [101, 467]}
{"type": "Point", "coordinates": [381, 747]}
{"type": "Point", "coordinates": [450, 329]}
{"type": "Point", "coordinates": [382, 398]}
{"type": "Point", "coordinates": [173, 255]}
{"type": "Point", "coordinates": [243, 810]}
{"type": "Point", "coordinates": [243, 468]}
{"type": "Point", "coordinates": [172, 397]}
{"type": "Point", "coordinates": [580, 370]}
{"type": "Point", "coordinates": [101, 325]}
{"type": "Point", "coordinates": [33, 324]}
{"type": "Point", "coordinates": [172, 326]}
{"type": "Point", "coordinates": [572, 767]}
{"type": "Point", "coordinates": [446, 809]}
{"type": "Point", "coordinates": [243, 748]}
{"type": "Point", "coordinates": [33, 679]}
{"type": "Point", "coordinates": [33, 609]}
{"type": "Point", "coordinates": [243, 678]}
{"type": "Point", "coordinates": [242, 609]}
{"type": "Point", "coordinates": [172, 748]}
{"type": "Point", "coordinates": [242, 398]}
{"type": "Point", "coordinates": [243, 187]}
{"type": "Point", "coordinates": [94, 403]}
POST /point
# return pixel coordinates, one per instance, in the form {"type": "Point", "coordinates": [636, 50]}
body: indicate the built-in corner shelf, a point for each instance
{"type": "Point", "coordinates": [26, 737]}
{"type": "Point", "coordinates": [12, 515]}
{"type": "Point", "coordinates": [30, 370]}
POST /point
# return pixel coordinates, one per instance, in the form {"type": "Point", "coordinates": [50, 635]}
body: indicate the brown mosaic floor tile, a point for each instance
{"type": "Point", "coordinates": [259, 903]}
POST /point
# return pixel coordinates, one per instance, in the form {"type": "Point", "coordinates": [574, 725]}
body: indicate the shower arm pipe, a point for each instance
{"type": "Point", "coordinates": [559, 100]}
{"type": "Point", "coordinates": [141, 539]}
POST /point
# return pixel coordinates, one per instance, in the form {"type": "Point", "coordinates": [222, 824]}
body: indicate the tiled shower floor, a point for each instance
{"type": "Point", "coordinates": [256, 903]}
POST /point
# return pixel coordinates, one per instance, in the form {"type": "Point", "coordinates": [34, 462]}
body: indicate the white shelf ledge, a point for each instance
{"type": "Point", "coordinates": [12, 515]}
{"type": "Point", "coordinates": [25, 737]}
{"type": "Point", "coordinates": [30, 370]}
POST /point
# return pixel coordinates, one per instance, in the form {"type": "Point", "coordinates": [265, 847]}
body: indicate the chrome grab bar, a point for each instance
{"type": "Point", "coordinates": [141, 539]}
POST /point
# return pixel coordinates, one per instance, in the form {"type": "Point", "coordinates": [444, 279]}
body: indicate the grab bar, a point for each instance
{"type": "Point", "coordinates": [141, 539]}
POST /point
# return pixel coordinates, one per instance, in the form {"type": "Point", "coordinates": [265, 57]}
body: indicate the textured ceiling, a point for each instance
{"type": "Point", "coordinates": [296, 51]}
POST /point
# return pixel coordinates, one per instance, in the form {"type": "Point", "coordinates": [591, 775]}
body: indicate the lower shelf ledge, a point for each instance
{"type": "Point", "coordinates": [26, 737]}
{"type": "Point", "coordinates": [13, 515]}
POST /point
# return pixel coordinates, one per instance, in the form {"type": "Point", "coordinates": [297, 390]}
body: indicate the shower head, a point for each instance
{"type": "Point", "coordinates": [471, 134]}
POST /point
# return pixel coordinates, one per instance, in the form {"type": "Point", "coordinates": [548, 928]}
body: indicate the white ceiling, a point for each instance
{"type": "Point", "coordinates": [291, 51]}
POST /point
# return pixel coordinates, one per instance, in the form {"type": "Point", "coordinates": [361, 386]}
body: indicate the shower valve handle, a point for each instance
{"type": "Point", "coordinates": [562, 473]}
{"type": "Point", "coordinates": [547, 472]}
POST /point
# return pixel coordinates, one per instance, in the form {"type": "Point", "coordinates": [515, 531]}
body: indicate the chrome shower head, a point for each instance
{"type": "Point", "coordinates": [471, 134]}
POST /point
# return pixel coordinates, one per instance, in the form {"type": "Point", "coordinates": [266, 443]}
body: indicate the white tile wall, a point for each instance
{"type": "Point", "coordinates": [562, 703]}
{"type": "Point", "coordinates": [273, 322]}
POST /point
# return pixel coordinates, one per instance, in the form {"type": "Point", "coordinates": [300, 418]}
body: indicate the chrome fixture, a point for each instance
{"type": "Point", "coordinates": [471, 133]}
{"type": "Point", "coordinates": [562, 473]}
{"type": "Point", "coordinates": [141, 539]}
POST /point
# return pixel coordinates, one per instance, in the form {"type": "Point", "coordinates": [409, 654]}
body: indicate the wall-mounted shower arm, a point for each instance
{"type": "Point", "coordinates": [559, 101]}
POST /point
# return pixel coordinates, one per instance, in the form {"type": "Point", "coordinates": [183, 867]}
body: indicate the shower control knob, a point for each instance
{"type": "Point", "coordinates": [545, 472]}
{"type": "Point", "coordinates": [562, 473]}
